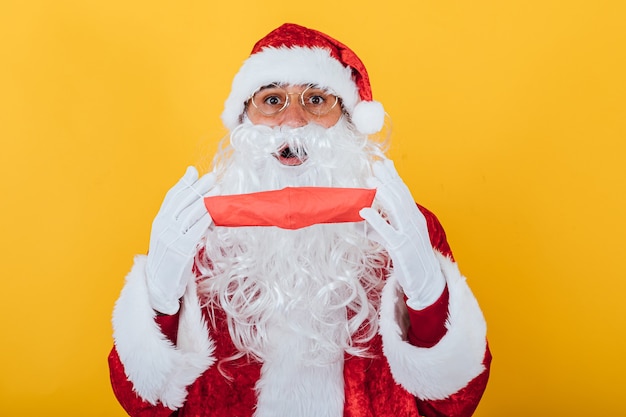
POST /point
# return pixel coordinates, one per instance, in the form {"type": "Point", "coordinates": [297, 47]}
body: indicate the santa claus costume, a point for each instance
{"type": "Point", "coordinates": [318, 317]}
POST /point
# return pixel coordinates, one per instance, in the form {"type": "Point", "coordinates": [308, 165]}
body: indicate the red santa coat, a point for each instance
{"type": "Point", "coordinates": [431, 363]}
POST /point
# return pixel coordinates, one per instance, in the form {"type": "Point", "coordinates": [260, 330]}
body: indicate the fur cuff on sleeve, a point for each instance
{"type": "Point", "coordinates": [159, 371]}
{"type": "Point", "coordinates": [440, 371]}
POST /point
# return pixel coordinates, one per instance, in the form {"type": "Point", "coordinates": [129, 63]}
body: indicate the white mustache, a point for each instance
{"type": "Point", "coordinates": [263, 141]}
{"type": "Point", "coordinates": [335, 157]}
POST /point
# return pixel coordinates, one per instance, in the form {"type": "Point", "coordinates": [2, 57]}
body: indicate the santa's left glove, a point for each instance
{"type": "Point", "coordinates": [176, 232]}
{"type": "Point", "coordinates": [403, 231]}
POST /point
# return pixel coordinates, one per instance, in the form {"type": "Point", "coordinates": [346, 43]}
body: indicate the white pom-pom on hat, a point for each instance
{"type": "Point", "coordinates": [368, 117]}
{"type": "Point", "coordinates": [292, 54]}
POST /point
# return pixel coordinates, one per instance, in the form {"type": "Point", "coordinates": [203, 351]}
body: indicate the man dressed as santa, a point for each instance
{"type": "Point", "coordinates": [298, 278]}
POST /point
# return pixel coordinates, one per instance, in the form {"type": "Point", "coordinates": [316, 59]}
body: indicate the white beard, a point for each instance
{"type": "Point", "coordinates": [295, 299]}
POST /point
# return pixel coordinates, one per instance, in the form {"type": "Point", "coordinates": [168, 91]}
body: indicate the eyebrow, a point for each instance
{"type": "Point", "coordinates": [283, 85]}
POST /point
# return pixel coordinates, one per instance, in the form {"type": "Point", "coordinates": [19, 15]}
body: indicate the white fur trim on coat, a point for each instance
{"type": "Point", "coordinates": [435, 373]}
{"type": "Point", "coordinates": [159, 371]}
{"type": "Point", "coordinates": [293, 383]}
{"type": "Point", "coordinates": [295, 65]}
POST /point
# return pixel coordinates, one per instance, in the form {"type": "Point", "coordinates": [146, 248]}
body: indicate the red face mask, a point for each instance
{"type": "Point", "coordinates": [291, 207]}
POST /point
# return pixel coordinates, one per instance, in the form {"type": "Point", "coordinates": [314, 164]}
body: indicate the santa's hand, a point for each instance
{"type": "Point", "coordinates": [176, 231]}
{"type": "Point", "coordinates": [404, 234]}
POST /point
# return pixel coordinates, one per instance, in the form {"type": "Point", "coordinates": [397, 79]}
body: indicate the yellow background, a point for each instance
{"type": "Point", "coordinates": [509, 123]}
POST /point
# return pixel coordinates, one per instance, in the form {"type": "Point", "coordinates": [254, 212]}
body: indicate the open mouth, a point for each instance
{"type": "Point", "coordinates": [290, 157]}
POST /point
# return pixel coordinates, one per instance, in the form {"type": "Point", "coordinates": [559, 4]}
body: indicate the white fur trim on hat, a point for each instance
{"type": "Point", "coordinates": [159, 371]}
{"type": "Point", "coordinates": [435, 373]}
{"type": "Point", "coordinates": [289, 65]}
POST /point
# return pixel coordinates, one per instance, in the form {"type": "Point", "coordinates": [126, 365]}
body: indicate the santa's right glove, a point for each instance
{"type": "Point", "coordinates": [404, 234]}
{"type": "Point", "coordinates": [176, 231]}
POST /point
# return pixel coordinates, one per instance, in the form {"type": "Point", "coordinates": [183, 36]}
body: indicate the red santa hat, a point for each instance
{"type": "Point", "coordinates": [293, 54]}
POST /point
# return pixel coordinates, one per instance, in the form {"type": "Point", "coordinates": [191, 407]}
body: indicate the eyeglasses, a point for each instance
{"type": "Point", "coordinates": [273, 99]}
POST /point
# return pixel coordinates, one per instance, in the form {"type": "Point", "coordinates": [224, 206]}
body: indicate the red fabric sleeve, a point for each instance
{"type": "Point", "coordinates": [428, 325]}
{"type": "Point", "coordinates": [123, 388]}
{"type": "Point", "coordinates": [168, 325]}
{"type": "Point", "coordinates": [436, 233]}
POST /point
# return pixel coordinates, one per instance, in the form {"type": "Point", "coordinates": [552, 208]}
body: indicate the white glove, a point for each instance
{"type": "Point", "coordinates": [405, 236]}
{"type": "Point", "coordinates": [176, 231]}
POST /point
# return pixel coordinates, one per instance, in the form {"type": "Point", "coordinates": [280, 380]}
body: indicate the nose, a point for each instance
{"type": "Point", "coordinates": [294, 115]}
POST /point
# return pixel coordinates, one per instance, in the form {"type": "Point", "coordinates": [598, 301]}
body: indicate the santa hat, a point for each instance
{"type": "Point", "coordinates": [293, 54]}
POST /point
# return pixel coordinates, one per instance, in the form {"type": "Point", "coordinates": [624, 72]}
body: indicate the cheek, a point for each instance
{"type": "Point", "coordinates": [259, 119]}
{"type": "Point", "coordinates": [325, 122]}
{"type": "Point", "coordinates": [330, 119]}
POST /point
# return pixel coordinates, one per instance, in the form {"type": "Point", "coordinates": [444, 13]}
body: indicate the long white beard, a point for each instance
{"type": "Point", "coordinates": [313, 289]}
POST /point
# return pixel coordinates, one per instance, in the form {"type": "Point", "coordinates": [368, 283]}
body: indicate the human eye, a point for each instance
{"type": "Point", "coordinates": [272, 96]}
{"type": "Point", "coordinates": [269, 100]}
{"type": "Point", "coordinates": [273, 100]}
{"type": "Point", "coordinates": [316, 98]}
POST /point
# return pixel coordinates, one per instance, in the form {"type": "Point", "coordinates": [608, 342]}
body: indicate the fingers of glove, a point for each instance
{"type": "Point", "coordinates": [205, 184]}
{"type": "Point", "coordinates": [402, 210]}
{"type": "Point", "coordinates": [194, 194]}
{"type": "Point", "coordinates": [411, 264]}
{"type": "Point", "coordinates": [393, 193]}
{"type": "Point", "coordinates": [384, 179]}
{"type": "Point", "coordinates": [184, 244]}
{"type": "Point", "coordinates": [189, 198]}
{"type": "Point", "coordinates": [408, 260]}
{"type": "Point", "coordinates": [191, 175]}
{"type": "Point", "coordinates": [409, 243]}
{"type": "Point", "coordinates": [374, 182]}
{"type": "Point", "coordinates": [394, 207]}
{"type": "Point", "coordinates": [369, 215]}
{"type": "Point", "coordinates": [205, 187]}
{"type": "Point", "coordinates": [385, 170]}
{"type": "Point", "coordinates": [195, 221]}
{"type": "Point", "coordinates": [181, 236]}
{"type": "Point", "coordinates": [419, 238]}
{"type": "Point", "coordinates": [387, 174]}
{"type": "Point", "coordinates": [384, 234]}
{"type": "Point", "coordinates": [189, 215]}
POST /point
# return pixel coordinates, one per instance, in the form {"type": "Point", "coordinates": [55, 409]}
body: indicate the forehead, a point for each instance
{"type": "Point", "coordinates": [292, 87]}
